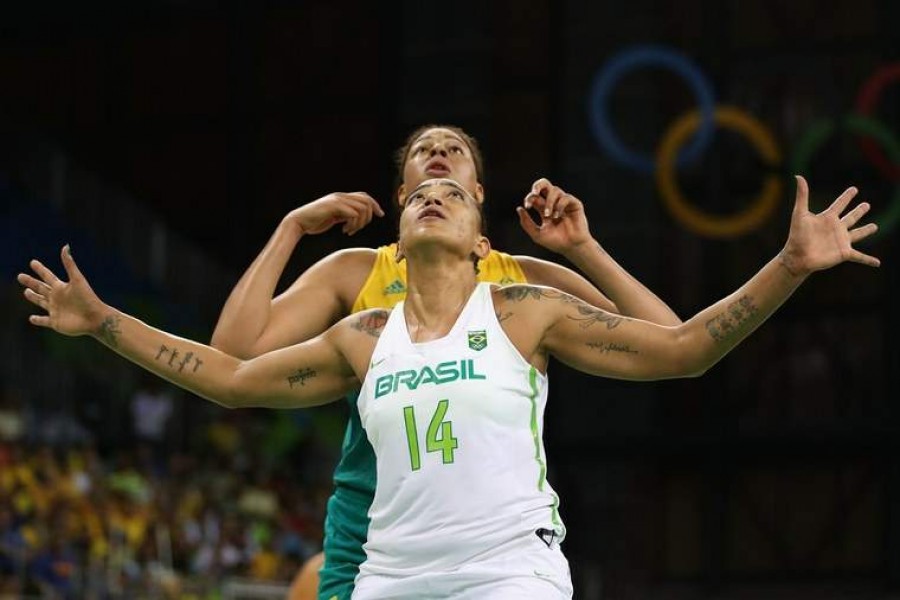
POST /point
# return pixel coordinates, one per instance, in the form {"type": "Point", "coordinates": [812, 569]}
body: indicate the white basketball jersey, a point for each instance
{"type": "Point", "coordinates": [456, 424]}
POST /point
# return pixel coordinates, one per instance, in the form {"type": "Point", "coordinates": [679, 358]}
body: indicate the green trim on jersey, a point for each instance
{"type": "Point", "coordinates": [538, 448]}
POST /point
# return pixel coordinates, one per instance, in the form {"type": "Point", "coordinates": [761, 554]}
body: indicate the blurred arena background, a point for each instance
{"type": "Point", "coordinates": [165, 139]}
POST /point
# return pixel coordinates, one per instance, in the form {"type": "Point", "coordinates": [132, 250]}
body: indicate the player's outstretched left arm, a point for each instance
{"type": "Point", "coordinates": [603, 343]}
{"type": "Point", "coordinates": [304, 375]}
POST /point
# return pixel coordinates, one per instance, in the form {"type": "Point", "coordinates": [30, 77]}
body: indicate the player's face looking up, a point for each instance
{"type": "Point", "coordinates": [441, 152]}
{"type": "Point", "coordinates": [441, 211]}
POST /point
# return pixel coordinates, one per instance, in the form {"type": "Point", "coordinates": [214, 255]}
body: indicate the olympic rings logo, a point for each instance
{"type": "Point", "coordinates": [691, 134]}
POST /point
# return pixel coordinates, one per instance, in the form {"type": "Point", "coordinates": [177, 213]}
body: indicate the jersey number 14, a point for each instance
{"type": "Point", "coordinates": [439, 438]}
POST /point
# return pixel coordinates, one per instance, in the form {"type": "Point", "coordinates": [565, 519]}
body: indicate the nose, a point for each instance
{"type": "Point", "coordinates": [439, 149]}
{"type": "Point", "coordinates": [433, 199]}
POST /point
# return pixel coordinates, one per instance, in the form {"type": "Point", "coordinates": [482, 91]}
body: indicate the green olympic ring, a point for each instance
{"type": "Point", "coordinates": [819, 133]}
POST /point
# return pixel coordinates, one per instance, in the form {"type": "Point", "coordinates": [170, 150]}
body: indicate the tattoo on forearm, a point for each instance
{"type": "Point", "coordinates": [732, 319]}
{"type": "Point", "coordinates": [109, 331]}
{"type": "Point", "coordinates": [371, 322]}
{"type": "Point", "coordinates": [300, 376]}
{"type": "Point", "coordinates": [605, 348]}
{"type": "Point", "coordinates": [588, 316]}
{"type": "Point", "coordinates": [187, 358]}
{"type": "Point", "coordinates": [184, 362]}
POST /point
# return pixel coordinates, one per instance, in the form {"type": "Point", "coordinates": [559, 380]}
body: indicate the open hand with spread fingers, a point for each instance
{"type": "Point", "coordinates": [72, 308]}
{"type": "Point", "coordinates": [823, 240]}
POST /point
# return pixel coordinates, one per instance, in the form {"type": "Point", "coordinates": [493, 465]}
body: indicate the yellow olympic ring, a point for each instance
{"type": "Point", "coordinates": [690, 216]}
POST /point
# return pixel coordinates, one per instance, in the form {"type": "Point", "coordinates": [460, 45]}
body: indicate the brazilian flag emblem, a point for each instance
{"type": "Point", "coordinates": [478, 340]}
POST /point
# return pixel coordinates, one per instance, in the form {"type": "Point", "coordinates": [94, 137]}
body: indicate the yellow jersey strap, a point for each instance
{"type": "Point", "coordinates": [386, 284]}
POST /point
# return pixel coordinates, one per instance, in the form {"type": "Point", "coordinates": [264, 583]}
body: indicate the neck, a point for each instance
{"type": "Point", "coordinates": [439, 285]}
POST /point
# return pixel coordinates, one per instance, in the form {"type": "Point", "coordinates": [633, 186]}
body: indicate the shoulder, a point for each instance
{"type": "Point", "coordinates": [343, 272]}
{"type": "Point", "coordinates": [369, 323]}
{"type": "Point", "coordinates": [542, 272]}
{"type": "Point", "coordinates": [350, 257]}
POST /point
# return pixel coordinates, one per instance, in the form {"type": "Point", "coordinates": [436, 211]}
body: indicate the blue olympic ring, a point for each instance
{"type": "Point", "coordinates": [614, 70]}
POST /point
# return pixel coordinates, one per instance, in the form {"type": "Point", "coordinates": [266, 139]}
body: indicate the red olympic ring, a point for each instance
{"type": "Point", "coordinates": [866, 101]}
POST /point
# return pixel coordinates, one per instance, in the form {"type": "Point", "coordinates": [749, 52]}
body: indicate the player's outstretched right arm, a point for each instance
{"type": "Point", "coordinates": [304, 375]}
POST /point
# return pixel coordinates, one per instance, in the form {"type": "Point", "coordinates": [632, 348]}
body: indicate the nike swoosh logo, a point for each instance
{"type": "Point", "coordinates": [545, 575]}
{"type": "Point", "coordinates": [375, 363]}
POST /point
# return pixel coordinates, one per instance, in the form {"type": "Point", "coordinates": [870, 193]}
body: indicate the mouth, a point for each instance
{"type": "Point", "coordinates": [431, 213]}
{"type": "Point", "coordinates": [437, 168]}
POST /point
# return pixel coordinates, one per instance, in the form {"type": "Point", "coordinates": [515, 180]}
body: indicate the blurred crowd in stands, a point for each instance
{"type": "Point", "coordinates": [243, 497]}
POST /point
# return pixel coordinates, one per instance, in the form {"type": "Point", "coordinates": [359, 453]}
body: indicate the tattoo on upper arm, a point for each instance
{"type": "Point", "coordinates": [109, 331]}
{"type": "Point", "coordinates": [371, 322]}
{"type": "Point", "coordinates": [517, 293]}
{"type": "Point", "coordinates": [605, 348]}
{"type": "Point", "coordinates": [300, 376]}
{"type": "Point", "coordinates": [589, 315]}
{"type": "Point", "coordinates": [732, 319]}
{"type": "Point", "coordinates": [180, 365]}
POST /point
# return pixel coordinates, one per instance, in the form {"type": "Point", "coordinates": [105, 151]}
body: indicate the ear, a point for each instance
{"type": "Point", "coordinates": [401, 195]}
{"type": "Point", "coordinates": [479, 193]}
{"type": "Point", "coordinates": [482, 247]}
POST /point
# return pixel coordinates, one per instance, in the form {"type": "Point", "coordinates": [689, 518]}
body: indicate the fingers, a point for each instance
{"type": "Point", "coordinates": [36, 285]}
{"type": "Point", "coordinates": [861, 233]}
{"type": "Point", "coordinates": [549, 200]}
{"type": "Point", "coordinates": [863, 259]}
{"type": "Point", "coordinates": [567, 203]}
{"type": "Point", "coordinates": [841, 202]}
{"type": "Point", "coordinates": [37, 299]}
{"type": "Point", "coordinates": [43, 272]}
{"type": "Point", "coordinates": [69, 265]}
{"type": "Point", "coordinates": [852, 217]}
{"type": "Point", "coordinates": [527, 223]}
{"type": "Point", "coordinates": [801, 201]}
{"type": "Point", "coordinates": [535, 198]}
{"type": "Point", "coordinates": [365, 206]}
{"type": "Point", "coordinates": [39, 320]}
{"type": "Point", "coordinates": [552, 196]}
{"type": "Point", "coordinates": [354, 214]}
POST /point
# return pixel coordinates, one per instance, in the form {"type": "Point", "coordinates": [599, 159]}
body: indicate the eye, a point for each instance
{"type": "Point", "coordinates": [456, 149]}
{"type": "Point", "coordinates": [418, 150]}
{"type": "Point", "coordinates": [455, 194]}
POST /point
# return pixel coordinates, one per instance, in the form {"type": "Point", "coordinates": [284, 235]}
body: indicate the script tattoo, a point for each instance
{"type": "Point", "coordinates": [371, 322]}
{"type": "Point", "coordinates": [300, 376]}
{"type": "Point", "coordinates": [173, 354]}
{"type": "Point", "coordinates": [588, 316]}
{"type": "Point", "coordinates": [109, 331]}
{"type": "Point", "coordinates": [611, 347]}
{"type": "Point", "coordinates": [732, 319]}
